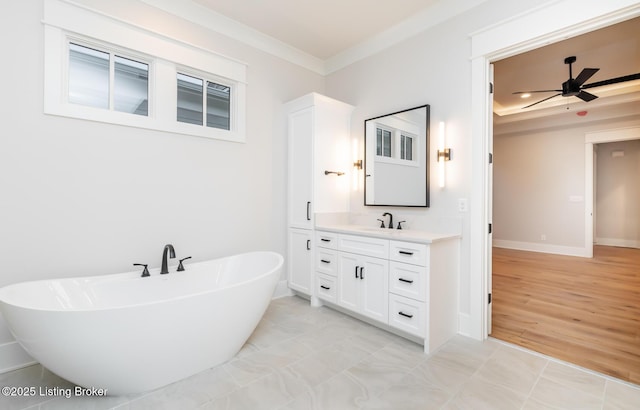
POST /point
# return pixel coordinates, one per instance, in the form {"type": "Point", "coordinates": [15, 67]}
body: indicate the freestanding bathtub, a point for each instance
{"type": "Point", "coordinates": [126, 334]}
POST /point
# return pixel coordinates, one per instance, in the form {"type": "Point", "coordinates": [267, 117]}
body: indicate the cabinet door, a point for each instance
{"type": "Point", "coordinates": [374, 299]}
{"type": "Point", "coordinates": [300, 260]}
{"type": "Point", "coordinates": [348, 283]}
{"type": "Point", "coordinates": [300, 168]}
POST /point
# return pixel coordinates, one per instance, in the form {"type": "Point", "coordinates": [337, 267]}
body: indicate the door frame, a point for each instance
{"type": "Point", "coordinates": [553, 22]}
{"type": "Point", "coordinates": [591, 138]}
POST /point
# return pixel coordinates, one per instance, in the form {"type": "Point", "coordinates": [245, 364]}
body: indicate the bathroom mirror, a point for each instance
{"type": "Point", "coordinates": [396, 160]}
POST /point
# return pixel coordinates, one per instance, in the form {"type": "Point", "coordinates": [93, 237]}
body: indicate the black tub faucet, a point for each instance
{"type": "Point", "coordinates": [172, 254]}
{"type": "Point", "coordinates": [390, 219]}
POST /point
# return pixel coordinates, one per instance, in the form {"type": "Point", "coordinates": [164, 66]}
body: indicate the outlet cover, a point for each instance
{"type": "Point", "coordinates": [463, 205]}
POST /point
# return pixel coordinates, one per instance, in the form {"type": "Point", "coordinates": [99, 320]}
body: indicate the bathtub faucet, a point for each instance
{"type": "Point", "coordinates": [172, 254]}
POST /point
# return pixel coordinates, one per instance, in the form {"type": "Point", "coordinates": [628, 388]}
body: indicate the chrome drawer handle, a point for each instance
{"type": "Point", "coordinates": [405, 280]}
{"type": "Point", "coordinates": [401, 313]}
{"type": "Point", "coordinates": [405, 253]}
{"type": "Point", "coordinates": [324, 261]}
{"type": "Point", "coordinates": [325, 287]}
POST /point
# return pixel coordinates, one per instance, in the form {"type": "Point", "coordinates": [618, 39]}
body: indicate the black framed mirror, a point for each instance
{"type": "Point", "coordinates": [396, 158]}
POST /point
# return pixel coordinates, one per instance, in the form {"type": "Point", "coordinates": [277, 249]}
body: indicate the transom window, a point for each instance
{"type": "Point", "coordinates": [194, 100]}
{"type": "Point", "coordinates": [118, 73]}
{"type": "Point", "coordinates": [106, 80]}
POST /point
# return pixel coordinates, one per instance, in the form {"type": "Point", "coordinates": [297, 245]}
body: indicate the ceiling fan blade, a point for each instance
{"type": "Point", "coordinates": [538, 91]}
{"type": "Point", "coordinates": [622, 79]}
{"type": "Point", "coordinates": [585, 75]}
{"type": "Point", "coordinates": [585, 96]}
{"type": "Point", "coordinates": [548, 98]}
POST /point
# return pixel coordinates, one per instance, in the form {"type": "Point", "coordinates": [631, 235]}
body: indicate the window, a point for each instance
{"type": "Point", "coordinates": [100, 68]}
{"type": "Point", "coordinates": [90, 71]}
{"type": "Point", "coordinates": [406, 147]}
{"type": "Point", "coordinates": [192, 104]}
{"type": "Point", "coordinates": [383, 142]}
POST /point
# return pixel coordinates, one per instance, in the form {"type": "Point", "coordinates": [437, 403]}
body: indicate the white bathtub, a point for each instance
{"type": "Point", "coordinates": [128, 334]}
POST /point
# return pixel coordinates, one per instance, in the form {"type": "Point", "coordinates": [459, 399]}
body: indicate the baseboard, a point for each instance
{"type": "Point", "coordinates": [13, 356]}
{"type": "Point", "coordinates": [282, 290]}
{"type": "Point", "coordinates": [624, 243]}
{"type": "Point", "coordinates": [539, 247]}
{"type": "Point", "coordinates": [464, 324]}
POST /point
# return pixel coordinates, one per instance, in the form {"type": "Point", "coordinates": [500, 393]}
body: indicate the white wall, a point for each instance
{"type": "Point", "coordinates": [539, 186]}
{"type": "Point", "coordinates": [83, 198]}
{"type": "Point", "coordinates": [618, 193]}
{"type": "Point", "coordinates": [433, 68]}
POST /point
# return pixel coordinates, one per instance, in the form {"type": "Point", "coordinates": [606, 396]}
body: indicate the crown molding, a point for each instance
{"type": "Point", "coordinates": [429, 17]}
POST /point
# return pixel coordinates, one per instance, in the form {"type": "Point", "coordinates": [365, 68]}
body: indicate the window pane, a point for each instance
{"type": "Point", "coordinates": [190, 99]}
{"type": "Point", "coordinates": [88, 76]}
{"type": "Point", "coordinates": [378, 141]}
{"type": "Point", "coordinates": [406, 147]}
{"type": "Point", "coordinates": [218, 106]}
{"type": "Point", "coordinates": [130, 86]}
{"type": "Point", "coordinates": [386, 137]}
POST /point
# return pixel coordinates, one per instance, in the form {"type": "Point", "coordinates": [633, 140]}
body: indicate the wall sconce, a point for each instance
{"type": "Point", "coordinates": [358, 164]}
{"type": "Point", "coordinates": [444, 154]}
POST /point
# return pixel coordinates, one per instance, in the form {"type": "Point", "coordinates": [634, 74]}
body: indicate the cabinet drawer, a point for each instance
{"type": "Point", "coordinates": [326, 287]}
{"type": "Point", "coordinates": [408, 252]}
{"type": "Point", "coordinates": [408, 315]}
{"type": "Point", "coordinates": [408, 280]}
{"type": "Point", "coordinates": [327, 261]}
{"type": "Point", "coordinates": [362, 245]}
{"type": "Point", "coordinates": [327, 240]}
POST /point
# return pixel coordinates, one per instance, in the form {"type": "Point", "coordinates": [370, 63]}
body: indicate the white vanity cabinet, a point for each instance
{"type": "Point", "coordinates": [300, 243]}
{"type": "Point", "coordinates": [318, 140]}
{"type": "Point", "coordinates": [408, 286]}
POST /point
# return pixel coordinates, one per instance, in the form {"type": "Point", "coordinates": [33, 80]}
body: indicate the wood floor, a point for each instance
{"type": "Point", "coordinates": [581, 310]}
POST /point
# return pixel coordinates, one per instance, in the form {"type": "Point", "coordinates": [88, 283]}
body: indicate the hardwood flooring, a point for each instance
{"type": "Point", "coordinates": [581, 310]}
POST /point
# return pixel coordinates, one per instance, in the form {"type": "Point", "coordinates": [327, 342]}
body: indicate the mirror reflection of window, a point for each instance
{"type": "Point", "coordinates": [406, 147]}
{"type": "Point", "coordinates": [383, 145]}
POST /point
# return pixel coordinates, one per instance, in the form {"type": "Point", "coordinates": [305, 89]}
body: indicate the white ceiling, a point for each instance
{"type": "Point", "coordinates": [320, 28]}
{"type": "Point", "coordinates": [327, 35]}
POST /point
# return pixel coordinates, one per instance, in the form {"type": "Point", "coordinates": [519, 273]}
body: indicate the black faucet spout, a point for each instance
{"type": "Point", "coordinates": [172, 254]}
{"type": "Point", "coordinates": [390, 219]}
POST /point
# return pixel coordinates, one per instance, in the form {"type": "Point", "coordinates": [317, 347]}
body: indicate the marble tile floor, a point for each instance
{"type": "Point", "coordinates": [301, 357]}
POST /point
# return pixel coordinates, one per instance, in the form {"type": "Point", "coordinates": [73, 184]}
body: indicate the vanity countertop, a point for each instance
{"type": "Point", "coordinates": [408, 235]}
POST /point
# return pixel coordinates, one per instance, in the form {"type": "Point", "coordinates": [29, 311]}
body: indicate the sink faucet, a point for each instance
{"type": "Point", "coordinates": [172, 254]}
{"type": "Point", "coordinates": [390, 219]}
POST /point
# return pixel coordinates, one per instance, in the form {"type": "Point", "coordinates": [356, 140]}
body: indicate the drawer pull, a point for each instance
{"type": "Point", "coordinates": [325, 287]}
{"type": "Point", "coordinates": [325, 240]}
{"type": "Point", "coordinates": [405, 280]}
{"type": "Point", "coordinates": [361, 272]}
{"type": "Point", "coordinates": [405, 253]}
{"type": "Point", "coordinates": [401, 313]}
{"type": "Point", "coordinates": [357, 272]}
{"type": "Point", "coordinates": [324, 261]}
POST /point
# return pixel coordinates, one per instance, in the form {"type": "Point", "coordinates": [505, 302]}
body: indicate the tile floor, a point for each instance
{"type": "Point", "coordinates": [316, 358]}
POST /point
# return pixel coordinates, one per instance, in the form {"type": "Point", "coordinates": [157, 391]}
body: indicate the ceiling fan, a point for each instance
{"type": "Point", "coordinates": [576, 86]}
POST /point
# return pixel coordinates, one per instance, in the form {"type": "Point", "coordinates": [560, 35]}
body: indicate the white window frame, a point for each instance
{"type": "Point", "coordinates": [65, 23]}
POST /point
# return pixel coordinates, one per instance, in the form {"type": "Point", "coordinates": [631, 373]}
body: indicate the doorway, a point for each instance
{"type": "Point", "coordinates": [493, 43]}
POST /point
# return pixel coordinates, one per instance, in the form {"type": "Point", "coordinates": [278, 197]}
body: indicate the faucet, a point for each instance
{"type": "Point", "coordinates": [390, 219]}
{"type": "Point", "coordinates": [172, 254]}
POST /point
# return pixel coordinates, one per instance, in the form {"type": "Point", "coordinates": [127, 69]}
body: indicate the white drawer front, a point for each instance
{"type": "Point", "coordinates": [408, 315]}
{"type": "Point", "coordinates": [327, 261]}
{"type": "Point", "coordinates": [408, 280]}
{"type": "Point", "coordinates": [326, 239]}
{"type": "Point", "coordinates": [408, 252]}
{"type": "Point", "coordinates": [362, 245]}
{"type": "Point", "coordinates": [326, 287]}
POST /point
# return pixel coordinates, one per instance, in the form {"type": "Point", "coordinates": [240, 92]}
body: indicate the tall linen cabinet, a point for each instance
{"type": "Point", "coordinates": [319, 174]}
